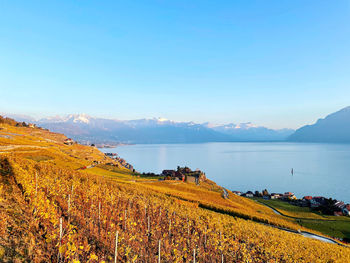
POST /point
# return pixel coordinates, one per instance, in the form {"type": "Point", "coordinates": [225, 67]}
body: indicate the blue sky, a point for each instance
{"type": "Point", "coordinates": [274, 63]}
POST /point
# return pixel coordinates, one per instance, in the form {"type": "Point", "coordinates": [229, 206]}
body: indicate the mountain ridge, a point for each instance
{"type": "Point", "coordinates": [334, 128]}
{"type": "Point", "coordinates": [85, 128]}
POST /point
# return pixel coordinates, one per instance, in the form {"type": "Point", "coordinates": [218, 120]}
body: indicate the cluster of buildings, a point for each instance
{"type": "Point", "coordinates": [330, 206]}
{"type": "Point", "coordinates": [184, 174]}
{"type": "Point", "coordinates": [287, 196]}
{"type": "Point", "coordinates": [120, 161]}
{"type": "Point", "coordinates": [111, 154]}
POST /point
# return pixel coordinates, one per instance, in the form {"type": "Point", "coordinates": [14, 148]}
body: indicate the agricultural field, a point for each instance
{"type": "Point", "coordinates": [335, 226]}
{"type": "Point", "coordinates": [52, 210]}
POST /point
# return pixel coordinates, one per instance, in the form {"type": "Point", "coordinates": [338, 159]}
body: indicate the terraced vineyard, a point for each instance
{"type": "Point", "coordinates": [51, 211]}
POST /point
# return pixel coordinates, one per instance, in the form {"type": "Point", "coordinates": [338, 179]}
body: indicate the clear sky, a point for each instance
{"type": "Point", "coordinates": [274, 63]}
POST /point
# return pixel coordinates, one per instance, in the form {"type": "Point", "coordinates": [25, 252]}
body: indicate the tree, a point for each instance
{"type": "Point", "coordinates": [265, 192]}
{"type": "Point", "coordinates": [257, 194]}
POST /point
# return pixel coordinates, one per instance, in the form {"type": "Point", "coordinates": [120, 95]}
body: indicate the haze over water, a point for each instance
{"type": "Point", "coordinates": [319, 169]}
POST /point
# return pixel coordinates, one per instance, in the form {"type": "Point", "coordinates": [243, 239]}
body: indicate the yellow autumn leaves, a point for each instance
{"type": "Point", "coordinates": [99, 207]}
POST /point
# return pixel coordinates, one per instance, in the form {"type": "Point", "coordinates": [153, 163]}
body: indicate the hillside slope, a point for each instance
{"type": "Point", "coordinates": [51, 210]}
{"type": "Point", "coordinates": [335, 128]}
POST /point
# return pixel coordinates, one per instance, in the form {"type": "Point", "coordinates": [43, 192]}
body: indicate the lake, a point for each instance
{"type": "Point", "coordinates": [319, 169]}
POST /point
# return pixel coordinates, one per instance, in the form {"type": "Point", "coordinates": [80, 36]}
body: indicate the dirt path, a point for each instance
{"type": "Point", "coordinates": [6, 148]}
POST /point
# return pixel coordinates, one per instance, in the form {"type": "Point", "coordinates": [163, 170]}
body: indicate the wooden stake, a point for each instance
{"type": "Point", "coordinates": [59, 256]}
{"type": "Point", "coordinates": [159, 251]}
{"type": "Point", "coordinates": [36, 184]}
{"type": "Point", "coordinates": [68, 204]}
{"type": "Point", "coordinates": [124, 219]}
{"type": "Point", "coordinates": [99, 212]}
{"type": "Point", "coordinates": [194, 255]}
{"type": "Point", "coordinates": [169, 227]}
{"type": "Point", "coordinates": [188, 227]}
{"type": "Point", "coordinates": [116, 248]}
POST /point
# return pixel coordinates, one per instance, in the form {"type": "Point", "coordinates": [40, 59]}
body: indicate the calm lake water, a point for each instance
{"type": "Point", "coordinates": [319, 169]}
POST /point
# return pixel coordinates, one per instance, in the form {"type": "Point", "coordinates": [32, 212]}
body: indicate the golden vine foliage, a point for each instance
{"type": "Point", "coordinates": [93, 206]}
{"type": "Point", "coordinates": [93, 209]}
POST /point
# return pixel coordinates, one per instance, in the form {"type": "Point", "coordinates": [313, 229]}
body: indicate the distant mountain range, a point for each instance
{"type": "Point", "coordinates": [335, 128]}
{"type": "Point", "coordinates": [84, 128]}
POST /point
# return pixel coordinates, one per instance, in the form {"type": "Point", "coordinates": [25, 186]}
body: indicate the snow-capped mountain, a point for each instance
{"type": "Point", "coordinates": [250, 132]}
{"type": "Point", "coordinates": [333, 128]}
{"type": "Point", "coordinates": [83, 127]}
{"type": "Point", "coordinates": [72, 118]}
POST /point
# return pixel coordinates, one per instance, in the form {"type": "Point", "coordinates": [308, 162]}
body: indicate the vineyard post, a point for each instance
{"type": "Point", "coordinates": [194, 255]}
{"type": "Point", "coordinates": [36, 190]}
{"type": "Point", "coordinates": [60, 243]}
{"type": "Point", "coordinates": [124, 219]}
{"type": "Point", "coordinates": [222, 258]}
{"type": "Point", "coordinates": [36, 184]}
{"type": "Point", "coordinates": [116, 248]}
{"type": "Point", "coordinates": [159, 251]}
{"type": "Point", "coordinates": [61, 230]}
{"type": "Point", "coordinates": [148, 224]}
{"type": "Point", "coordinates": [188, 227]}
{"type": "Point", "coordinates": [170, 227]}
{"type": "Point", "coordinates": [99, 212]}
{"type": "Point", "coordinates": [68, 205]}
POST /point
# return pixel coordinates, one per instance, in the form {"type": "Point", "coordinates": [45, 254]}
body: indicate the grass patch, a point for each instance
{"type": "Point", "coordinates": [339, 229]}
{"type": "Point", "coordinates": [334, 226]}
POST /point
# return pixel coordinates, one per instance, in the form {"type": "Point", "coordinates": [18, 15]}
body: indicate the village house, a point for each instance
{"type": "Point", "coordinates": [307, 198]}
{"type": "Point", "coordinates": [338, 213]}
{"type": "Point", "coordinates": [346, 210]}
{"type": "Point", "coordinates": [174, 175]}
{"type": "Point", "coordinates": [193, 177]}
{"type": "Point", "coordinates": [248, 194]}
{"type": "Point", "coordinates": [170, 173]}
{"type": "Point", "coordinates": [305, 202]}
{"type": "Point", "coordinates": [317, 201]}
{"type": "Point", "coordinates": [68, 141]}
{"type": "Point", "coordinates": [289, 196]}
{"type": "Point", "coordinates": [314, 203]}
{"type": "Point", "coordinates": [340, 205]}
{"type": "Point", "coordinates": [186, 174]}
{"type": "Point", "coordinates": [276, 196]}
{"type": "Point", "coordinates": [239, 193]}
